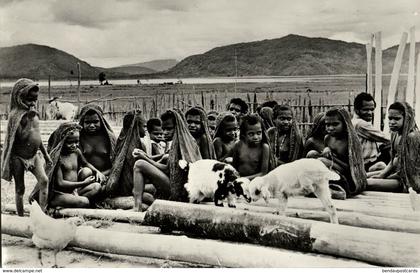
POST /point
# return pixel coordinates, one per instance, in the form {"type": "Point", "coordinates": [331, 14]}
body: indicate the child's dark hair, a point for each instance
{"type": "Point", "coordinates": [249, 120]}
{"type": "Point", "coordinates": [270, 103]}
{"type": "Point", "coordinates": [279, 108]}
{"type": "Point", "coordinates": [167, 115]}
{"type": "Point", "coordinates": [241, 103]}
{"type": "Point", "coordinates": [360, 98]}
{"type": "Point", "coordinates": [334, 112]}
{"type": "Point", "coordinates": [152, 123]}
{"type": "Point", "coordinates": [193, 112]}
{"type": "Point", "coordinates": [398, 106]}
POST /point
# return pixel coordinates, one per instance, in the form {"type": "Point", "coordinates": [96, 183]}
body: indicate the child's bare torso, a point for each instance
{"type": "Point", "coordinates": [96, 150]}
{"type": "Point", "coordinates": [69, 166]}
{"type": "Point", "coordinates": [339, 147]}
{"type": "Point", "coordinates": [28, 136]}
{"type": "Point", "coordinates": [249, 160]}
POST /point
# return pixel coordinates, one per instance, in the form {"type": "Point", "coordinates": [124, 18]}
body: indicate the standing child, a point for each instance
{"type": "Point", "coordinates": [285, 139]}
{"type": "Point", "coordinates": [343, 154]}
{"type": "Point", "coordinates": [405, 147]}
{"type": "Point", "coordinates": [225, 136]}
{"type": "Point", "coordinates": [72, 184]}
{"type": "Point", "coordinates": [314, 144]}
{"type": "Point", "coordinates": [23, 148]}
{"type": "Point", "coordinates": [251, 154]}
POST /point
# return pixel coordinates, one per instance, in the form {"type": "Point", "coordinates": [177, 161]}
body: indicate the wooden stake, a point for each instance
{"type": "Point", "coordinates": [182, 248]}
{"type": "Point", "coordinates": [378, 81]}
{"type": "Point", "coordinates": [79, 77]}
{"type": "Point", "coordinates": [417, 98]}
{"type": "Point", "coordinates": [374, 246]}
{"type": "Point", "coordinates": [409, 95]}
{"type": "Point", "coordinates": [394, 78]}
{"type": "Point", "coordinates": [369, 85]}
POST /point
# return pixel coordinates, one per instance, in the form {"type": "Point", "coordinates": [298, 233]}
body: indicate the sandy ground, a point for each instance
{"type": "Point", "coordinates": [20, 252]}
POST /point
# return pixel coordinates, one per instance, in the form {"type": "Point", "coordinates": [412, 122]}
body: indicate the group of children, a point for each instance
{"type": "Point", "coordinates": [85, 162]}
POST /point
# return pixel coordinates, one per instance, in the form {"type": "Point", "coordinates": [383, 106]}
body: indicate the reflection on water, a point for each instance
{"type": "Point", "coordinates": [199, 80]}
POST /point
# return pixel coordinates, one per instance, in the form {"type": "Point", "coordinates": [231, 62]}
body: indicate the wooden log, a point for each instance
{"type": "Point", "coordinates": [103, 214]}
{"type": "Point", "coordinates": [344, 218]}
{"type": "Point", "coordinates": [181, 248]}
{"type": "Point", "coordinates": [373, 246]}
{"type": "Point", "coordinates": [394, 77]}
{"type": "Point", "coordinates": [378, 81]}
{"type": "Point", "coordinates": [384, 185]}
{"type": "Point", "coordinates": [409, 95]}
{"type": "Point", "coordinates": [348, 205]}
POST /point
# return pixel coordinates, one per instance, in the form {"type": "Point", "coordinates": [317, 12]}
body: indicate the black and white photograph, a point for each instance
{"type": "Point", "coordinates": [179, 134]}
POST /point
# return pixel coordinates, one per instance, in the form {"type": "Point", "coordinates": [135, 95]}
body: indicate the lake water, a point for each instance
{"type": "Point", "coordinates": [210, 80]}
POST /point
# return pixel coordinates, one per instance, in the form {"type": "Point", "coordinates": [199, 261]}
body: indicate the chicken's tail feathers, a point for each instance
{"type": "Point", "coordinates": [183, 164]}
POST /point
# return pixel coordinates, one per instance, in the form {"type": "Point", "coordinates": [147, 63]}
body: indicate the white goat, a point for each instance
{"type": "Point", "coordinates": [61, 110]}
{"type": "Point", "coordinates": [299, 177]}
{"type": "Point", "coordinates": [209, 178]}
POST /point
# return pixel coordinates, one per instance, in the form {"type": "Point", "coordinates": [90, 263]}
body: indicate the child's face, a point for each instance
{"type": "Point", "coordinates": [396, 120]}
{"type": "Point", "coordinates": [235, 109]}
{"type": "Point", "coordinates": [253, 134]}
{"type": "Point", "coordinates": [366, 112]}
{"type": "Point", "coordinates": [92, 123]}
{"type": "Point", "coordinates": [194, 124]}
{"type": "Point", "coordinates": [72, 142]}
{"type": "Point", "coordinates": [156, 134]}
{"type": "Point", "coordinates": [334, 125]}
{"type": "Point", "coordinates": [31, 97]}
{"type": "Point", "coordinates": [168, 127]}
{"type": "Point", "coordinates": [284, 120]}
{"type": "Point", "coordinates": [230, 130]}
{"type": "Point", "coordinates": [211, 121]}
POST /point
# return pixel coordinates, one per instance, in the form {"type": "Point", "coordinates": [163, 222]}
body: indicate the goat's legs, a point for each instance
{"type": "Point", "coordinates": [283, 198]}
{"type": "Point", "coordinates": [323, 194]}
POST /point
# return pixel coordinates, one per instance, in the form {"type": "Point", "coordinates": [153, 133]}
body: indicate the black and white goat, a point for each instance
{"type": "Point", "coordinates": [209, 178]}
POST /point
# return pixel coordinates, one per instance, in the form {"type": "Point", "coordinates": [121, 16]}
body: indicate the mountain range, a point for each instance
{"type": "Point", "coordinates": [291, 55]}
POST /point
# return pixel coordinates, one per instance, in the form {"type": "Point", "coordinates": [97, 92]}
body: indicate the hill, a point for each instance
{"type": "Point", "coordinates": [157, 65]}
{"type": "Point", "coordinates": [291, 55]}
{"type": "Point", "coordinates": [38, 61]}
{"type": "Point", "coordinates": [131, 70]}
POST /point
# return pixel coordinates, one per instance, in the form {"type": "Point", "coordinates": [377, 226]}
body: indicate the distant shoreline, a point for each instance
{"type": "Point", "coordinates": [188, 80]}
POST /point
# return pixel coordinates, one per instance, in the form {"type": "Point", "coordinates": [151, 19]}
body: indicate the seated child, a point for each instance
{"type": "Point", "coordinates": [343, 154]}
{"type": "Point", "coordinates": [405, 147]}
{"type": "Point", "coordinates": [211, 120]}
{"type": "Point", "coordinates": [286, 142]}
{"type": "Point", "coordinates": [225, 136]}
{"type": "Point", "coordinates": [314, 144]}
{"type": "Point", "coordinates": [166, 176]}
{"type": "Point", "coordinates": [197, 125]}
{"type": "Point", "coordinates": [97, 140]}
{"type": "Point", "coordinates": [23, 148]}
{"type": "Point", "coordinates": [120, 180]}
{"type": "Point", "coordinates": [251, 154]}
{"type": "Point", "coordinates": [155, 146]}
{"type": "Point", "coordinates": [73, 184]}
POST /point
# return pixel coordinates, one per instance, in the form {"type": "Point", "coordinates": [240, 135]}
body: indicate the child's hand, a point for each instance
{"type": "Point", "coordinates": [100, 177]}
{"type": "Point", "coordinates": [89, 179]}
{"type": "Point", "coordinates": [379, 175]}
{"type": "Point", "coordinates": [326, 152]}
{"type": "Point", "coordinates": [139, 153]}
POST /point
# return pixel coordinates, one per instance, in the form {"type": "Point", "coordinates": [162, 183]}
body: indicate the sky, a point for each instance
{"type": "Point", "coordinates": [109, 33]}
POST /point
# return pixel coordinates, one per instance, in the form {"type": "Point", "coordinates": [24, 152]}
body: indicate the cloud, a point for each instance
{"type": "Point", "coordinates": [115, 32]}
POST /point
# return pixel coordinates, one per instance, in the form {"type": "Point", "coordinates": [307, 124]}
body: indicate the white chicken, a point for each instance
{"type": "Point", "coordinates": [414, 199]}
{"type": "Point", "coordinates": [51, 233]}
